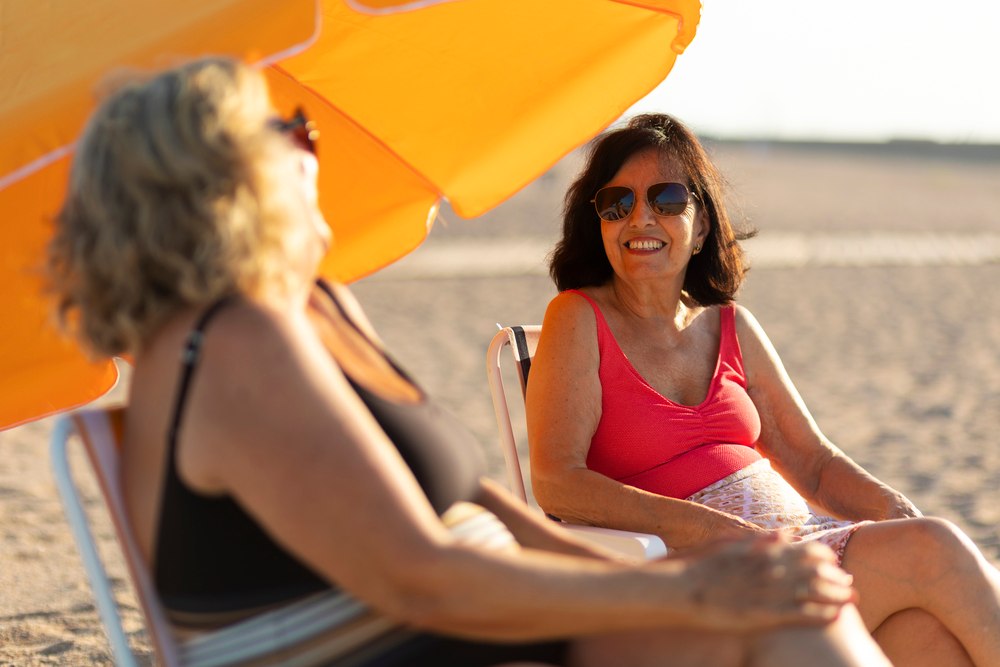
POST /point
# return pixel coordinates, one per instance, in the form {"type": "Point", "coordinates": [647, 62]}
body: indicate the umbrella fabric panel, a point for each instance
{"type": "Point", "coordinates": [482, 97]}
{"type": "Point", "coordinates": [41, 371]}
{"type": "Point", "coordinates": [55, 56]}
{"type": "Point", "coordinates": [467, 100]}
{"type": "Point", "coordinates": [378, 207]}
{"type": "Point", "coordinates": [47, 85]}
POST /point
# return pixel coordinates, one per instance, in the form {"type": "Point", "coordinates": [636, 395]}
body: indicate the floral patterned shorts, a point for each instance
{"type": "Point", "coordinates": [761, 496]}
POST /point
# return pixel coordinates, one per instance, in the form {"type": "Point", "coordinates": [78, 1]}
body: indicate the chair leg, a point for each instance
{"type": "Point", "coordinates": [100, 585]}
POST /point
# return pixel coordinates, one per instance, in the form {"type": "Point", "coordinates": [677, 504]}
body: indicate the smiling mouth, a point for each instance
{"type": "Point", "coordinates": [644, 244]}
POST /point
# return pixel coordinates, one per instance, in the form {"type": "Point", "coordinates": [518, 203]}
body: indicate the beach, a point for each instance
{"type": "Point", "coordinates": [874, 274]}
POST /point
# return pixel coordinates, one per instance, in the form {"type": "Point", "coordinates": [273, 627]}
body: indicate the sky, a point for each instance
{"type": "Point", "coordinates": [851, 70]}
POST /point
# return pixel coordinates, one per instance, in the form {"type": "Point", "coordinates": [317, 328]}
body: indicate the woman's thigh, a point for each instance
{"type": "Point", "coordinates": [915, 638]}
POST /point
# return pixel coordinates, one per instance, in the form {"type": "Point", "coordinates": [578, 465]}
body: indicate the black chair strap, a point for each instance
{"type": "Point", "coordinates": [523, 357]}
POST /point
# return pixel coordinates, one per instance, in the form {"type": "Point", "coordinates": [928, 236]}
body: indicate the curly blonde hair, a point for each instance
{"type": "Point", "coordinates": [172, 202]}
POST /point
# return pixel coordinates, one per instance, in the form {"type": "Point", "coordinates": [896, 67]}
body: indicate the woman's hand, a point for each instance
{"type": "Point", "coordinates": [714, 526]}
{"type": "Point", "coordinates": [729, 527]}
{"type": "Point", "coordinates": [766, 582]}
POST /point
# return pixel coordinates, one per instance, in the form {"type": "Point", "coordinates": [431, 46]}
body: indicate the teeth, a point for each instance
{"type": "Point", "coordinates": [645, 244]}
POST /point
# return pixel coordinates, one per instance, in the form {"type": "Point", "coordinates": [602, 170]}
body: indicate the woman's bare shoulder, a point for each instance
{"type": "Point", "coordinates": [568, 310]}
{"type": "Point", "coordinates": [569, 335]}
{"type": "Point", "coordinates": [747, 327]}
{"type": "Point", "coordinates": [247, 330]}
{"type": "Point", "coordinates": [253, 360]}
{"type": "Point", "coordinates": [760, 359]}
{"type": "Point", "coordinates": [227, 336]}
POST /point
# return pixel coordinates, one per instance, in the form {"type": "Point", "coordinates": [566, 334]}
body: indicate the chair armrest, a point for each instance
{"type": "Point", "coordinates": [637, 546]}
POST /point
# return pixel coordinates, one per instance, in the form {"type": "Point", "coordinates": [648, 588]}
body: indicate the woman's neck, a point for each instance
{"type": "Point", "coordinates": [652, 301]}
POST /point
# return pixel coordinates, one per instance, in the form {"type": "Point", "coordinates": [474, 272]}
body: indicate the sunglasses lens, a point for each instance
{"type": "Point", "coordinates": [614, 203]}
{"type": "Point", "coordinates": [668, 198]}
{"type": "Point", "coordinates": [301, 130]}
{"type": "Point", "coordinates": [305, 138]}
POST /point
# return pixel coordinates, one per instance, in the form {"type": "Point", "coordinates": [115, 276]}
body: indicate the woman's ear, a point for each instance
{"type": "Point", "coordinates": [702, 226]}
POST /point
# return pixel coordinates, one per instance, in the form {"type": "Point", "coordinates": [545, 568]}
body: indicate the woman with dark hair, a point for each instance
{"type": "Point", "coordinates": [287, 483]}
{"type": "Point", "coordinates": [658, 405]}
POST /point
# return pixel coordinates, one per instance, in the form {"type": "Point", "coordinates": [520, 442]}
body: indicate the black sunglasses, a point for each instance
{"type": "Point", "coordinates": [301, 130]}
{"type": "Point", "coordinates": [616, 202]}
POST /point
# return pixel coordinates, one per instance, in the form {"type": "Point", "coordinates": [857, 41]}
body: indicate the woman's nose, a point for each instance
{"type": "Point", "coordinates": [642, 215]}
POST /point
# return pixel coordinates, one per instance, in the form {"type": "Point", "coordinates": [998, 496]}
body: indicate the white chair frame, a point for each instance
{"type": "Point", "coordinates": [99, 431]}
{"type": "Point", "coordinates": [521, 341]}
{"type": "Point", "coordinates": [261, 639]}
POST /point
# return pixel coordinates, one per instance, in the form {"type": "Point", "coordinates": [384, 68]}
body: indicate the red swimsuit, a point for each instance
{"type": "Point", "coordinates": [648, 441]}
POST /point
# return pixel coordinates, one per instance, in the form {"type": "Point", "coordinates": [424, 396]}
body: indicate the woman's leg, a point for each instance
{"type": "Point", "coordinates": [843, 643]}
{"type": "Point", "coordinates": [914, 638]}
{"type": "Point", "coordinates": [928, 564]}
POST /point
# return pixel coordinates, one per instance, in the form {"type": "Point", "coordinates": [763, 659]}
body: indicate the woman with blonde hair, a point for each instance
{"type": "Point", "coordinates": [276, 458]}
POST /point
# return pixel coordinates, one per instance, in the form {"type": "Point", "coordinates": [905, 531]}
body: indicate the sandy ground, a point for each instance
{"type": "Point", "coordinates": [898, 360]}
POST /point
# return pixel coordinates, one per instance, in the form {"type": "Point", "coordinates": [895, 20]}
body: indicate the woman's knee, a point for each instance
{"type": "Point", "coordinates": [936, 535]}
{"type": "Point", "coordinates": [919, 549]}
{"type": "Point", "coordinates": [931, 545]}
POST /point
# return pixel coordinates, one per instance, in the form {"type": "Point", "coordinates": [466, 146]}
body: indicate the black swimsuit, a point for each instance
{"type": "Point", "coordinates": [212, 559]}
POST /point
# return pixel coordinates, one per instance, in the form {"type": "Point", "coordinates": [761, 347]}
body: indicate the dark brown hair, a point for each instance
{"type": "Point", "coordinates": [714, 275]}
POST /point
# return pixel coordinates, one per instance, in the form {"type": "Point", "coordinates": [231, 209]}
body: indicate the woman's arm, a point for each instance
{"type": "Point", "coordinates": [272, 421]}
{"type": "Point", "coordinates": [790, 438]}
{"type": "Point", "coordinates": [531, 529]}
{"type": "Point", "coordinates": [563, 410]}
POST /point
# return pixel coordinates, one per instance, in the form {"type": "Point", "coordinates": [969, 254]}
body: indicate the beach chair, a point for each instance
{"type": "Point", "coordinates": [521, 342]}
{"type": "Point", "coordinates": [100, 431]}
{"type": "Point", "coordinates": [312, 630]}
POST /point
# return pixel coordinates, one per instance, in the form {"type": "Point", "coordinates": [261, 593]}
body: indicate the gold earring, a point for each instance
{"type": "Point", "coordinates": [697, 249]}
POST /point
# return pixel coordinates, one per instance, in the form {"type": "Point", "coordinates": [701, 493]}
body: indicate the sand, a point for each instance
{"type": "Point", "coordinates": [887, 321]}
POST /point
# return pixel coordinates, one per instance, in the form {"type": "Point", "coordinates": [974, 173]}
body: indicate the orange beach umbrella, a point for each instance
{"type": "Point", "coordinates": [417, 101]}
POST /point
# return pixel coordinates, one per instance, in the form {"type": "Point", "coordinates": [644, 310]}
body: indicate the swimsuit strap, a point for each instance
{"type": "Point", "coordinates": [325, 286]}
{"type": "Point", "coordinates": [328, 290]}
{"type": "Point", "coordinates": [189, 361]}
